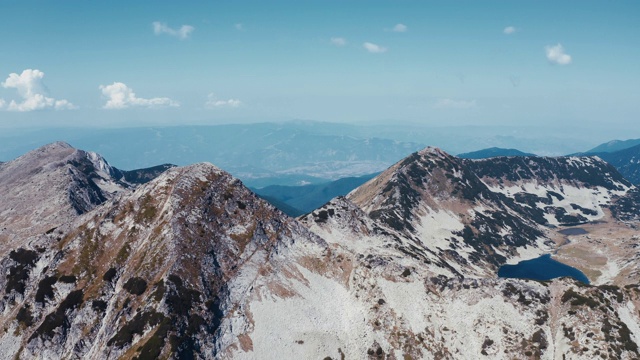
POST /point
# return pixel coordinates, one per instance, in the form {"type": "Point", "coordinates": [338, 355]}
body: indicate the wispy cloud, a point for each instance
{"type": "Point", "coordinates": [338, 41]}
{"type": "Point", "coordinates": [556, 55]}
{"type": "Point", "coordinates": [239, 27]}
{"type": "Point", "coordinates": [182, 33]}
{"type": "Point", "coordinates": [374, 48]}
{"type": "Point", "coordinates": [214, 102]}
{"type": "Point", "coordinates": [509, 30]}
{"type": "Point", "coordinates": [400, 28]}
{"type": "Point", "coordinates": [33, 93]}
{"type": "Point", "coordinates": [454, 104]}
{"type": "Point", "coordinates": [120, 96]}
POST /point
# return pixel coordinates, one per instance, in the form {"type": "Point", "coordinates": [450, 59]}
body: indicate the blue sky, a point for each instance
{"type": "Point", "coordinates": [429, 62]}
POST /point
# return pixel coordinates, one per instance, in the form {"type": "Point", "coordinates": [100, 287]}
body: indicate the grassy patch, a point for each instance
{"type": "Point", "coordinates": [147, 212]}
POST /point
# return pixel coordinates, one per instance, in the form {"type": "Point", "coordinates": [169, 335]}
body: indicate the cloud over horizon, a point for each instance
{"type": "Point", "coordinates": [214, 102]}
{"type": "Point", "coordinates": [182, 33]}
{"type": "Point", "coordinates": [32, 90]}
{"type": "Point", "coordinates": [374, 48]}
{"type": "Point", "coordinates": [120, 96]}
{"type": "Point", "coordinates": [556, 55]}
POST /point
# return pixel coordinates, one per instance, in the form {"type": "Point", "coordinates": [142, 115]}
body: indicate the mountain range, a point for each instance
{"type": "Point", "coordinates": [298, 200]}
{"type": "Point", "coordinates": [187, 262]}
{"type": "Point", "coordinates": [614, 145]}
{"type": "Point", "coordinates": [627, 161]}
{"type": "Point", "coordinates": [493, 152]}
{"type": "Point", "coordinates": [292, 152]}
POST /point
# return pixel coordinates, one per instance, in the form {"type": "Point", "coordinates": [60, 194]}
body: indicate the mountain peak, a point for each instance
{"type": "Point", "coordinates": [202, 167]}
{"type": "Point", "coordinates": [434, 151]}
{"type": "Point", "coordinates": [58, 144]}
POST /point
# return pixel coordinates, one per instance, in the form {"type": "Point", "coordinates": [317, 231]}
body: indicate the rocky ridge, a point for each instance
{"type": "Point", "coordinates": [194, 265]}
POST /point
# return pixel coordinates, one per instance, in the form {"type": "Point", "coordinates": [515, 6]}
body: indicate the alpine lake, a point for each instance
{"type": "Point", "coordinates": [544, 267]}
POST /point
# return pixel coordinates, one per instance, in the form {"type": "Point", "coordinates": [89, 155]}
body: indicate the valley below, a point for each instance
{"type": "Point", "coordinates": [608, 253]}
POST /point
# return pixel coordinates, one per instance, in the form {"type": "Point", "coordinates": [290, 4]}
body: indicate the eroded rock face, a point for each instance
{"type": "Point", "coordinates": [558, 191]}
{"type": "Point", "coordinates": [437, 200]}
{"type": "Point", "coordinates": [49, 187]}
{"type": "Point", "coordinates": [194, 265]}
{"type": "Point", "coordinates": [52, 185]}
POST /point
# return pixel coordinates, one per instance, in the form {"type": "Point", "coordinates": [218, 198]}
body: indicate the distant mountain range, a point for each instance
{"type": "Point", "coordinates": [259, 154]}
{"type": "Point", "coordinates": [614, 145]}
{"type": "Point", "coordinates": [493, 152]}
{"type": "Point", "coordinates": [298, 200]}
{"type": "Point", "coordinates": [292, 152]}
{"type": "Point", "coordinates": [624, 155]}
{"type": "Point", "coordinates": [627, 161]}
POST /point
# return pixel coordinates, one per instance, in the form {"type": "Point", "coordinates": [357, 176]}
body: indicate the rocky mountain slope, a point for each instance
{"type": "Point", "coordinates": [55, 183]}
{"type": "Point", "coordinates": [155, 270]}
{"type": "Point", "coordinates": [435, 198]}
{"type": "Point", "coordinates": [50, 186]}
{"type": "Point", "coordinates": [559, 191]}
{"type": "Point", "coordinates": [194, 265]}
{"type": "Point", "coordinates": [627, 161]}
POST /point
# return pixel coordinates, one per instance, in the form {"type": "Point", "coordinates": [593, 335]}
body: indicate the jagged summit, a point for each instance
{"type": "Point", "coordinates": [432, 150]}
{"type": "Point", "coordinates": [51, 185]}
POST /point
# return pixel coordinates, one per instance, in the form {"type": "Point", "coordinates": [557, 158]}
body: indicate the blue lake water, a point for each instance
{"type": "Point", "coordinates": [541, 268]}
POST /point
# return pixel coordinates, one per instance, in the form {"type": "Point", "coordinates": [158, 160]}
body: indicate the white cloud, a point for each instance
{"type": "Point", "coordinates": [182, 33]}
{"type": "Point", "coordinates": [556, 55]}
{"type": "Point", "coordinates": [509, 30]}
{"type": "Point", "coordinates": [120, 96]}
{"type": "Point", "coordinates": [239, 26]}
{"type": "Point", "coordinates": [454, 104]}
{"type": "Point", "coordinates": [338, 41]}
{"type": "Point", "coordinates": [400, 28]}
{"type": "Point", "coordinates": [32, 90]}
{"type": "Point", "coordinates": [373, 48]}
{"type": "Point", "coordinates": [214, 102]}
